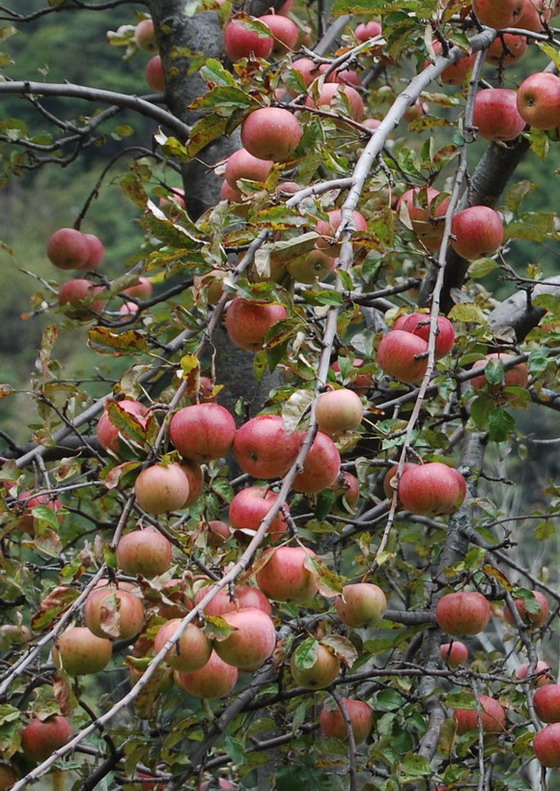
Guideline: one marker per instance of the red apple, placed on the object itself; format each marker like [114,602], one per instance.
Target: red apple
[271,133]
[388,488]
[538,100]
[327,230]
[108,434]
[284,31]
[202,432]
[547,746]
[113,613]
[195,477]
[496,114]
[426,211]
[492,716]
[320,468]
[239,42]
[498,13]
[463,613]
[27,501]
[41,738]
[264,448]
[333,722]
[215,680]
[96,252]
[432,489]
[145,37]
[403,355]
[146,552]
[308,69]
[338,410]
[249,507]
[81,652]
[218,532]
[142,290]
[68,249]
[546,701]
[245,596]
[252,642]
[223,785]
[360,605]
[331,91]
[248,322]
[243,165]
[454,654]
[284,577]
[366,30]
[477,232]
[506,49]
[534,16]
[155,76]
[517,376]
[419,324]
[161,488]
[321,674]
[341,76]
[191,652]
[80,294]
[541,672]
[532,618]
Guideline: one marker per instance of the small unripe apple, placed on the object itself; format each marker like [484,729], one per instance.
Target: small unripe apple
[360,605]
[202,432]
[320,468]
[68,249]
[463,613]
[547,746]
[492,716]
[155,76]
[264,448]
[191,652]
[532,618]
[546,701]
[248,322]
[80,652]
[239,42]
[146,552]
[333,723]
[338,410]
[284,577]
[161,488]
[454,654]
[41,738]
[214,680]
[432,489]
[403,355]
[321,674]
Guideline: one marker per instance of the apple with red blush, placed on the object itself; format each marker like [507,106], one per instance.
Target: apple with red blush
[155,75]
[546,701]
[419,324]
[361,605]
[115,613]
[514,376]
[146,552]
[426,211]
[161,488]
[477,232]
[540,673]
[327,230]
[320,468]
[283,575]
[191,652]
[108,434]
[250,506]
[367,30]
[284,31]
[333,722]
[41,737]
[492,717]
[432,489]
[216,679]
[145,37]
[538,100]
[252,641]
[337,411]
[527,617]
[68,248]
[403,355]
[264,448]
[80,652]
[340,94]
[507,48]
[202,432]
[271,133]
[454,654]
[248,322]
[498,13]
[463,613]
[80,295]
[318,675]
[547,746]
[240,42]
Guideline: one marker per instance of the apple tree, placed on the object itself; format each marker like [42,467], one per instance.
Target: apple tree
[279,483]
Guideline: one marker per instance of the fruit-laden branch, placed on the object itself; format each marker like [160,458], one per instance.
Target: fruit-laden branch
[141,106]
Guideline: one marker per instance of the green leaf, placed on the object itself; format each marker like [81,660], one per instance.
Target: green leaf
[500,425]
[217,628]
[550,52]
[482,267]
[214,72]
[549,302]
[545,529]
[204,132]
[305,655]
[389,699]
[459,700]
[415,765]
[538,361]
[133,427]
[467,311]
[540,143]
[45,514]
[494,371]
[223,100]
[481,408]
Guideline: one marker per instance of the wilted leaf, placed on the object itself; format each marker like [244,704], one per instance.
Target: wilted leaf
[106,341]
[341,647]
[329,583]
[217,628]
[53,605]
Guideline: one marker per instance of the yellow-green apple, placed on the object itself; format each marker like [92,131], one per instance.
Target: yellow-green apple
[264,448]
[320,468]
[215,680]
[202,432]
[463,613]
[192,650]
[338,410]
[146,552]
[320,674]
[161,488]
[311,267]
[333,722]
[285,577]
[360,605]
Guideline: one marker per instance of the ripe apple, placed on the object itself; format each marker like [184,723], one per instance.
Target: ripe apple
[145,37]
[215,680]
[245,596]
[463,613]
[146,552]
[506,48]
[432,489]
[308,69]
[178,603]
[320,468]
[248,322]
[264,448]
[271,133]
[113,613]
[192,650]
[80,652]
[250,506]
[202,432]
[518,375]
[388,488]
[155,76]
[15,634]
[341,76]
[25,504]
[541,672]
[68,249]
[546,701]
[477,232]
[457,73]
[284,31]
[195,477]
[496,114]
[218,532]
[223,785]
[161,488]
[41,738]
[454,654]
[321,674]
[498,13]
[128,309]
[366,30]
[547,746]
[240,42]
[141,290]
[338,410]
[360,605]
[538,100]
[327,230]
[492,716]
[284,577]
[403,355]
[96,252]
[426,211]
[243,165]
[333,723]
[252,642]
[534,15]
[108,433]
[80,294]
[419,324]
[532,618]
[333,90]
